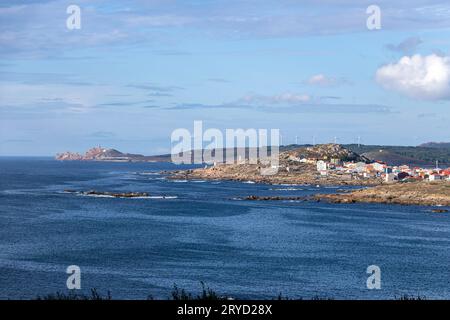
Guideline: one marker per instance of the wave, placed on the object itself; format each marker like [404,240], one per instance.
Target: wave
[286,189]
[163,197]
[147,173]
[15,192]
[115,197]
[292,184]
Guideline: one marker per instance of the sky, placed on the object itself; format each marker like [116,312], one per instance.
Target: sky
[137,70]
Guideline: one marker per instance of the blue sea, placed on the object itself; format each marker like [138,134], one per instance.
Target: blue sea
[186,232]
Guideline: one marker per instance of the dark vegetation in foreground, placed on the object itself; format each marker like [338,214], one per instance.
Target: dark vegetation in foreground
[177,294]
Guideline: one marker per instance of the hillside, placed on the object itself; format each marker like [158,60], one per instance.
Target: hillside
[397,155]
[439,145]
[326,152]
[393,158]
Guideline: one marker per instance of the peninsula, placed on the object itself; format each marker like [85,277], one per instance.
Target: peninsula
[333,164]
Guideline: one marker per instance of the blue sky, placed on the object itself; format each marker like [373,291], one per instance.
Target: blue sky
[137,70]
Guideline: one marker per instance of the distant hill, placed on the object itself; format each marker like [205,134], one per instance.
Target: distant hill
[326,152]
[445,145]
[397,155]
[393,158]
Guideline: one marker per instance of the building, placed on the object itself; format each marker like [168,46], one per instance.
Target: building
[434,177]
[404,168]
[321,166]
[390,177]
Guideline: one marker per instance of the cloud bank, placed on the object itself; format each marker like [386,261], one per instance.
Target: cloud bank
[418,77]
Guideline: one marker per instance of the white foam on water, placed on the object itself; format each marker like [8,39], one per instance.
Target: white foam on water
[163,197]
[140,197]
[286,189]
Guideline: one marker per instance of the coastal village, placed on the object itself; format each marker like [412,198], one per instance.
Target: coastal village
[334,160]
[378,169]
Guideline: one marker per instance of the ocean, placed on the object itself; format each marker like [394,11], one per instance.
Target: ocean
[187,232]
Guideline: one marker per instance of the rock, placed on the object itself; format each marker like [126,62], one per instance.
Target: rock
[273,198]
[439,210]
[111,194]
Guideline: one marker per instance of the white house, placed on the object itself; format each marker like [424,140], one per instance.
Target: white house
[390,177]
[434,177]
[321,165]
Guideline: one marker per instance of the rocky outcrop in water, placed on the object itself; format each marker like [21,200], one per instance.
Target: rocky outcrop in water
[110,194]
[275,198]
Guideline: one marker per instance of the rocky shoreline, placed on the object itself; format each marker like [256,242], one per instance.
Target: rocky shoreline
[413,193]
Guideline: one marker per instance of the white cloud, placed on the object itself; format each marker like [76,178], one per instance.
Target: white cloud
[321,80]
[419,77]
